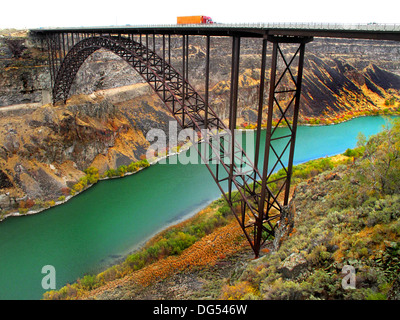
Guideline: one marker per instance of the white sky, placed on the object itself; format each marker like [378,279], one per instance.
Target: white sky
[75,13]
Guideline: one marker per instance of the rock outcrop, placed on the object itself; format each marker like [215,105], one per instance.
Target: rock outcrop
[45,150]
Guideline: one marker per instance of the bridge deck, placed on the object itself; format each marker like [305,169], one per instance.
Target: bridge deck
[333,30]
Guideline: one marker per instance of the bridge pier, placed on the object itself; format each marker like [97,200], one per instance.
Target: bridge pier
[267,202]
[256,206]
[266,211]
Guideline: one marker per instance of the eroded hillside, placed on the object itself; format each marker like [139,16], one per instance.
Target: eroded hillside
[44,149]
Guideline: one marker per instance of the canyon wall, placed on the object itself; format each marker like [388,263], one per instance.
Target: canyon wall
[44,148]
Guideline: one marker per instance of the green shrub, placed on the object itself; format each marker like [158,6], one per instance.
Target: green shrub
[92,175]
[137,261]
[23,210]
[110,173]
[390,102]
[225,210]
[133,167]
[285,290]
[84,181]
[356,152]
[89,282]
[122,170]
[91,171]
[143,163]
[78,187]
[179,242]
[376,296]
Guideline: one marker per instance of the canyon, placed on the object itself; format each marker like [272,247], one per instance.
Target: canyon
[44,148]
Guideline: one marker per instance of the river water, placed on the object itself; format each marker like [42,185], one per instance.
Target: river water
[109,220]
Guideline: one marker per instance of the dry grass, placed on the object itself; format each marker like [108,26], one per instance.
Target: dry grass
[206,252]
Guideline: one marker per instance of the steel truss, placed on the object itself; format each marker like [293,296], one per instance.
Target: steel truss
[256,207]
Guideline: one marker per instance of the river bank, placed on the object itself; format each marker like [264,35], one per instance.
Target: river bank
[386,107]
[107,221]
[355,227]
[152,162]
[390,111]
[219,239]
[112,174]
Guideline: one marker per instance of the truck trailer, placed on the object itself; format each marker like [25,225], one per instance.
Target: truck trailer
[194,20]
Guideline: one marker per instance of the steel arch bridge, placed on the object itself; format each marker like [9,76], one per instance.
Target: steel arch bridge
[168,83]
[257,209]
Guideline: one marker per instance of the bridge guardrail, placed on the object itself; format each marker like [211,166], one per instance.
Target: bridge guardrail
[285,25]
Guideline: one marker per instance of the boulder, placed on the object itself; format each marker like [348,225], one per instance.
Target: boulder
[293,265]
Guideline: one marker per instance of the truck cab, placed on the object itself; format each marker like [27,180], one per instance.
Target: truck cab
[206,20]
[194,20]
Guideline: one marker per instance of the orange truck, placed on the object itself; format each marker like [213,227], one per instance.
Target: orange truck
[194,20]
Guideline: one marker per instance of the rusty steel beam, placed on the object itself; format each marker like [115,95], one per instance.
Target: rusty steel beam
[256,208]
[233,106]
[261,89]
[295,120]
[207,85]
[294,87]
[259,221]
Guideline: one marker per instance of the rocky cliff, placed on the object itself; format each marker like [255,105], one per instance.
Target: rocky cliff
[44,148]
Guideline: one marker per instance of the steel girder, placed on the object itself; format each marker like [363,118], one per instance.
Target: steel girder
[255,206]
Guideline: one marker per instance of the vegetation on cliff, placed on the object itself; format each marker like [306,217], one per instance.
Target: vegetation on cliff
[347,212]
[346,216]
[92,174]
[385,107]
[44,151]
[162,249]
[214,222]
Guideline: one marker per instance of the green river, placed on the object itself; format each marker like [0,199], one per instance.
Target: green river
[103,224]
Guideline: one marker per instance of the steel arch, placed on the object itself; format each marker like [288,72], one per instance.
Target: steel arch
[178,95]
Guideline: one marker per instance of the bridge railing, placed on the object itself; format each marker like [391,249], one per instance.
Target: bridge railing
[285,25]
